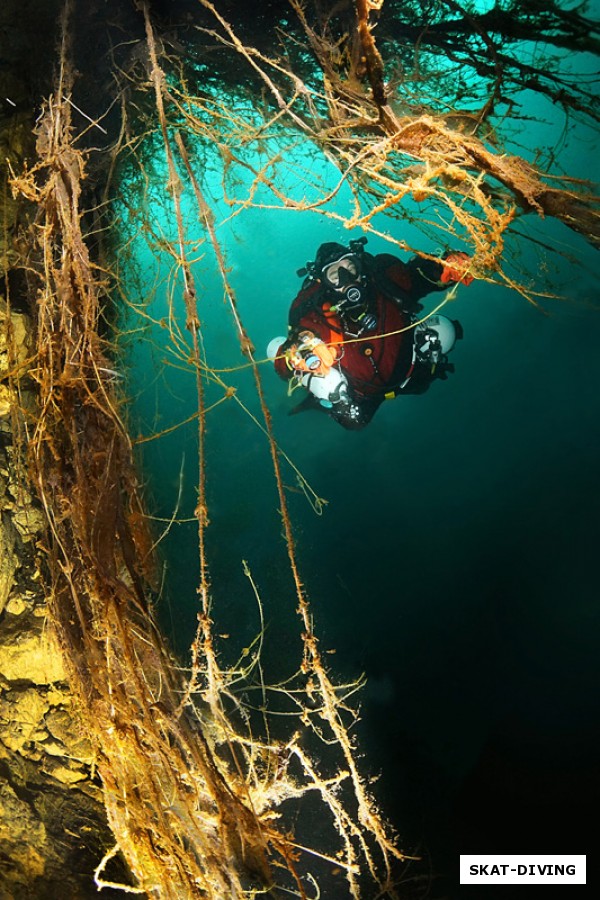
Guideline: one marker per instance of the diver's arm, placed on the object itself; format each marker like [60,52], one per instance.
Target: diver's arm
[331,390]
[335,397]
[406,283]
[419,277]
[427,275]
[308,359]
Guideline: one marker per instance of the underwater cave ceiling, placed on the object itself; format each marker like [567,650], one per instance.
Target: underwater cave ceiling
[166,745]
[470,70]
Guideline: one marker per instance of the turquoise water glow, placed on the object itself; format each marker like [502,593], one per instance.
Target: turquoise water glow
[455,560]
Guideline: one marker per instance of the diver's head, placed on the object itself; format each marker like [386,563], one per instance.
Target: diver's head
[341,271]
[338,267]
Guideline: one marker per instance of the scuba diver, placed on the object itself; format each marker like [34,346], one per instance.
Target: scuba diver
[355,337]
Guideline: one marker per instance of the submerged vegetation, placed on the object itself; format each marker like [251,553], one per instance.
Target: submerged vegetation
[419,108]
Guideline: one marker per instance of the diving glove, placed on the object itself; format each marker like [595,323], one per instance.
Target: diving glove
[456,268]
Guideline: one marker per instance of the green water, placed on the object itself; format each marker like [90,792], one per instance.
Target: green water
[455,561]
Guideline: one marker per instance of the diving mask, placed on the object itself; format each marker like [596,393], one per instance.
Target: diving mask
[342,272]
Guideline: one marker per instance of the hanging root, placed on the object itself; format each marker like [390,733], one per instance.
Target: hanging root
[192,797]
[177,816]
[359,829]
[200,795]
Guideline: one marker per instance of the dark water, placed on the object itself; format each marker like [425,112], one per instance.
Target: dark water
[456,562]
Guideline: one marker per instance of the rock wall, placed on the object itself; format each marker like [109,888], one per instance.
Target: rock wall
[53,830]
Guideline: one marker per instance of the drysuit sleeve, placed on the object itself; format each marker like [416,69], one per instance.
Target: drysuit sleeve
[408,283]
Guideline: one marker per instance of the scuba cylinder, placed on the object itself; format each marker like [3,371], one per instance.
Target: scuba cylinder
[434,338]
[330,389]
